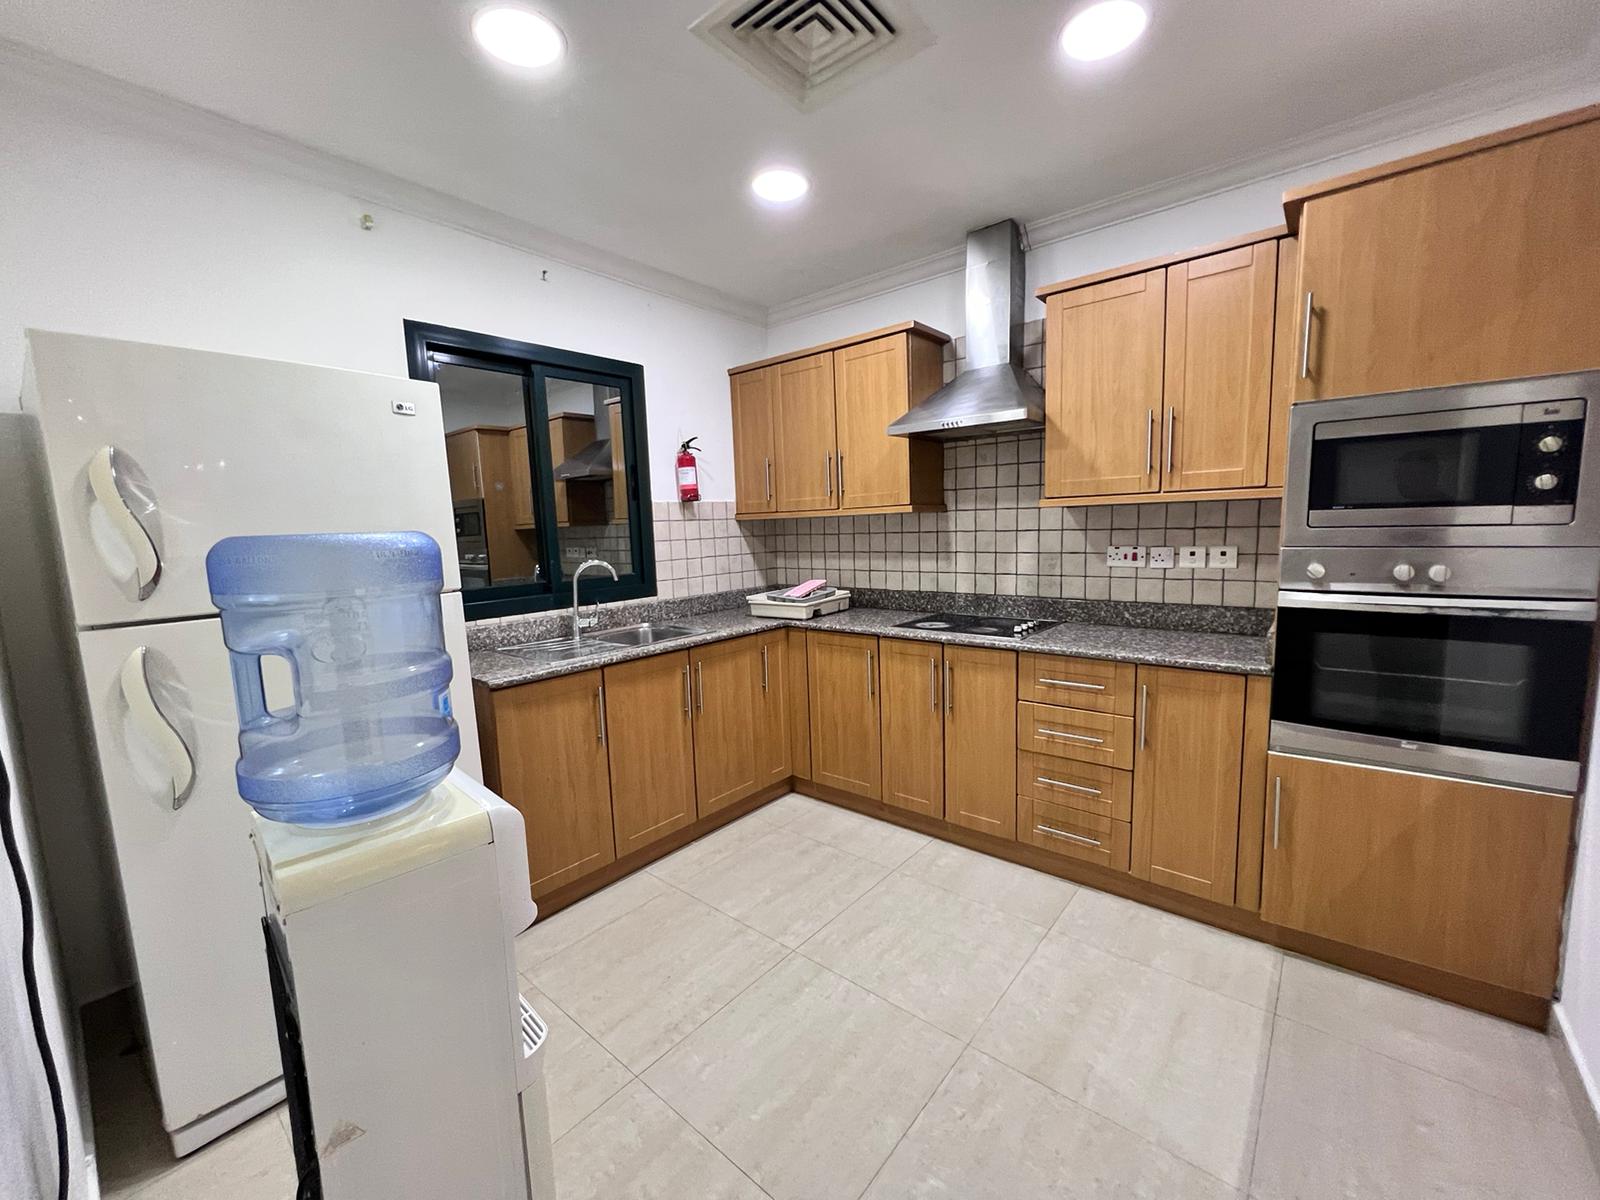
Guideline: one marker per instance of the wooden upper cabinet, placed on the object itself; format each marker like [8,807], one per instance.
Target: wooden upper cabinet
[774,743]
[980,760]
[805,444]
[650,733]
[846,750]
[550,747]
[1465,877]
[521,478]
[874,383]
[1219,369]
[912,678]
[728,722]
[461,460]
[1186,777]
[1103,387]
[1284,364]
[754,403]
[1471,263]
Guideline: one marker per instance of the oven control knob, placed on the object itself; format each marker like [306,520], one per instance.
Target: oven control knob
[1404,572]
[1551,443]
[1315,570]
[1546,482]
[1439,573]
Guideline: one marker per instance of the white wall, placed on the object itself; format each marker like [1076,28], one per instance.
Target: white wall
[105,230]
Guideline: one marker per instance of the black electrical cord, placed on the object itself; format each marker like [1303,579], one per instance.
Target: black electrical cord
[30,981]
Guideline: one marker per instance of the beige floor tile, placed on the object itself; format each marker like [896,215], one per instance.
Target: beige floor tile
[1031,895]
[551,935]
[1516,1064]
[934,953]
[254,1162]
[806,1081]
[681,865]
[639,984]
[579,1074]
[785,885]
[636,1148]
[990,1131]
[786,808]
[877,841]
[1224,962]
[1174,1062]
[1342,1121]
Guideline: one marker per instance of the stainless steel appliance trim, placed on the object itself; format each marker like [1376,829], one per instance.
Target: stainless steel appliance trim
[1427,758]
[1443,606]
[1419,422]
[1071,837]
[1406,518]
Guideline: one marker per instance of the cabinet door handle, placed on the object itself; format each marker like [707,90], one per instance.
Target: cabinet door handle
[949,688]
[1073,683]
[1277,808]
[600,714]
[687,699]
[1070,737]
[827,472]
[1144,711]
[763,668]
[768,477]
[841,477]
[1149,441]
[1062,833]
[872,676]
[933,686]
[155,728]
[700,684]
[1305,339]
[1172,422]
[1071,787]
[106,485]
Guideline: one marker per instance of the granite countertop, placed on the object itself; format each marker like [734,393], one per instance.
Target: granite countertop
[1245,654]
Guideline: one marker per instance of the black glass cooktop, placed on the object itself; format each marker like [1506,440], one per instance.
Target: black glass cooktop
[991,626]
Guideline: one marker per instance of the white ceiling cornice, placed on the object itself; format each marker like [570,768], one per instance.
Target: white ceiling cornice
[149,111]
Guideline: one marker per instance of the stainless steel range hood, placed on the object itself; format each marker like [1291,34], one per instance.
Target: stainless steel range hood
[994,394]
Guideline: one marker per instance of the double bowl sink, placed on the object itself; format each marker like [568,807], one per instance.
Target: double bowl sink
[563,649]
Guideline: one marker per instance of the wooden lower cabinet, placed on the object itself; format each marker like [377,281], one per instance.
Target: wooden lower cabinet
[1465,877]
[550,743]
[1186,778]
[1103,791]
[799,684]
[911,675]
[774,746]
[1072,833]
[980,762]
[729,712]
[1089,737]
[846,746]
[651,739]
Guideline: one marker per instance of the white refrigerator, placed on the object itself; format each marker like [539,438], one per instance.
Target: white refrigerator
[153,454]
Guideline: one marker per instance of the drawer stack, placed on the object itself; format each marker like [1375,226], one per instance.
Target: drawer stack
[1075,757]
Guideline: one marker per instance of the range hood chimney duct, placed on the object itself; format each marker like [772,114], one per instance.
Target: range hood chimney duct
[994,394]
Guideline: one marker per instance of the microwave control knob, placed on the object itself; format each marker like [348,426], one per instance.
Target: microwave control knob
[1315,570]
[1546,482]
[1439,573]
[1551,443]
[1404,572]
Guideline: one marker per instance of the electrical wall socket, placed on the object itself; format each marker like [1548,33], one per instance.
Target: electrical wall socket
[1162,558]
[1222,556]
[1124,556]
[1191,556]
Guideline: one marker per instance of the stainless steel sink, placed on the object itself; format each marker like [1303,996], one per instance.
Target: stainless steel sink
[557,649]
[646,634]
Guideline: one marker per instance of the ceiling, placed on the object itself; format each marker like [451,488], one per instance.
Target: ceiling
[642,142]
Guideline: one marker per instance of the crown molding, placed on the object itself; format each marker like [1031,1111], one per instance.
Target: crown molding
[1494,101]
[131,106]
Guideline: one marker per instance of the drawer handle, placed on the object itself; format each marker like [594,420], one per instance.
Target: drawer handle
[1073,683]
[1062,833]
[1071,787]
[1071,737]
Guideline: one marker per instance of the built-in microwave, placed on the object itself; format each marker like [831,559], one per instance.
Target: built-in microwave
[1509,463]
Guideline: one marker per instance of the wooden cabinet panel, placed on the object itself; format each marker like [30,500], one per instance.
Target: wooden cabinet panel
[1089,737]
[728,716]
[511,554]
[1465,877]
[1072,833]
[799,703]
[578,501]
[754,402]
[1103,791]
[1285,364]
[1253,791]
[650,731]
[461,460]
[1103,387]
[1186,780]
[846,746]
[870,387]
[1219,369]
[774,747]
[1483,266]
[520,473]
[980,765]
[550,743]
[804,440]
[911,676]
[1089,683]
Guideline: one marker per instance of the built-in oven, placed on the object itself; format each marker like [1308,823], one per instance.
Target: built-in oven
[472,544]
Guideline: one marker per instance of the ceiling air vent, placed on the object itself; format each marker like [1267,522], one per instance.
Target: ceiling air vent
[811,50]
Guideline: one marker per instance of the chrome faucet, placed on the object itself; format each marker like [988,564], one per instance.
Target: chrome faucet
[577,621]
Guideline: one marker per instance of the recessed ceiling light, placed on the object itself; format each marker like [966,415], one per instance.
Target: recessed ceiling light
[1104,29]
[780,185]
[518,36]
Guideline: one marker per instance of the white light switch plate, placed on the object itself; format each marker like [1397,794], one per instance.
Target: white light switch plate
[1222,556]
[1124,556]
[1162,558]
[1191,556]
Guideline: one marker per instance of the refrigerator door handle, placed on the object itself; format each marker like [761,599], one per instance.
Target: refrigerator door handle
[155,727]
[107,491]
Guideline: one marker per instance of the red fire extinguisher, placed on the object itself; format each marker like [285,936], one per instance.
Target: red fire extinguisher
[688,473]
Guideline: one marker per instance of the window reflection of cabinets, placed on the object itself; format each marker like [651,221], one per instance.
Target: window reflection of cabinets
[521,479]
[482,462]
[580,501]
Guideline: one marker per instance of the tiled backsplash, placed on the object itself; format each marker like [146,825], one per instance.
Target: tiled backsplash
[700,549]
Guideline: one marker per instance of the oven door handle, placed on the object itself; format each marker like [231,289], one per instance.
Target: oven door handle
[1442,606]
